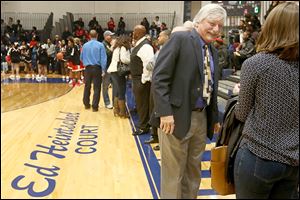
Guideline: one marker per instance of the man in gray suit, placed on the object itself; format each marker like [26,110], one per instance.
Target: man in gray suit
[185,84]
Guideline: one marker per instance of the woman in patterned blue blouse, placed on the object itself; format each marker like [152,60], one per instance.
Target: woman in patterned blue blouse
[267,162]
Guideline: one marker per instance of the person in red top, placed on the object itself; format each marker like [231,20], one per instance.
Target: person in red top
[33,42]
[79,32]
[111,25]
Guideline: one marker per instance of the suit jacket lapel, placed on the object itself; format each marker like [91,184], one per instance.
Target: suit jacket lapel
[198,51]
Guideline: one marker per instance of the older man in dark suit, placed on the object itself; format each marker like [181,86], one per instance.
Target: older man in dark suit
[185,84]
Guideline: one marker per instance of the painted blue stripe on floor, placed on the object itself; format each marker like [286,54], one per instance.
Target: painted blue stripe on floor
[206,156]
[146,170]
[206,192]
[205,174]
[29,80]
[152,160]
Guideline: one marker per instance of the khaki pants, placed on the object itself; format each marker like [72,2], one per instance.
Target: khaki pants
[181,160]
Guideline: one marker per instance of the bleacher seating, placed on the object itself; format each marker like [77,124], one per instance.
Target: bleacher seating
[225,91]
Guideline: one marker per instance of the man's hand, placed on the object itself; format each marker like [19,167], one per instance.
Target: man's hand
[103,74]
[236,53]
[236,89]
[167,124]
[217,127]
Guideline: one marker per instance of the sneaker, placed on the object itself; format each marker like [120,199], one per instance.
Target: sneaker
[27,76]
[45,78]
[63,78]
[12,77]
[79,82]
[109,106]
[82,77]
[38,79]
[17,77]
[70,82]
[32,76]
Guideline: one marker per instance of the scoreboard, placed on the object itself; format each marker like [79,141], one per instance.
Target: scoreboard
[240,8]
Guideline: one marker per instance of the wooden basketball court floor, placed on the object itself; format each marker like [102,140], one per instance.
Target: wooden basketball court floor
[51,147]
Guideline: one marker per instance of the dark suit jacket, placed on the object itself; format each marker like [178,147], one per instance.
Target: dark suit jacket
[177,82]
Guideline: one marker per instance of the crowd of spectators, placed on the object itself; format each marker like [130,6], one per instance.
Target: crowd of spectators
[23,48]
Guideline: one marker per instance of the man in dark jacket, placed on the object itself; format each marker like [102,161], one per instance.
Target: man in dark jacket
[185,84]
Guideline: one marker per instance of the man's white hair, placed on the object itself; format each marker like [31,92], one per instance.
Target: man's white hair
[210,11]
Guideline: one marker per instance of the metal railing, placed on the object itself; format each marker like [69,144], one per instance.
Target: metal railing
[131,19]
[28,20]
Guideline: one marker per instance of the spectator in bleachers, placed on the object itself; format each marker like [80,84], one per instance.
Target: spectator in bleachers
[23,36]
[100,32]
[56,40]
[9,25]
[163,26]
[17,28]
[79,22]
[33,42]
[267,161]
[244,50]
[93,23]
[121,27]
[111,25]
[66,34]
[153,30]
[51,55]
[146,24]
[254,33]
[247,17]
[272,6]
[158,24]
[223,55]
[34,33]
[79,32]
[3,27]
[242,29]
[256,23]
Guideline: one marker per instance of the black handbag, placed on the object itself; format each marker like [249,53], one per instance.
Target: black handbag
[122,68]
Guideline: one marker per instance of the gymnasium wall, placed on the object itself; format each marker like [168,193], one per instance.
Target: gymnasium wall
[59,8]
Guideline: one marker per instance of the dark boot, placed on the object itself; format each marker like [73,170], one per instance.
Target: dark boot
[116,107]
[122,113]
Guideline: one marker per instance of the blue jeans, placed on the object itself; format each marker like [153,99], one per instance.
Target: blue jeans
[105,83]
[255,177]
[119,85]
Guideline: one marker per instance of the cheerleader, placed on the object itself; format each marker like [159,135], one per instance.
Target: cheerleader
[78,42]
[26,58]
[73,62]
[42,58]
[15,56]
